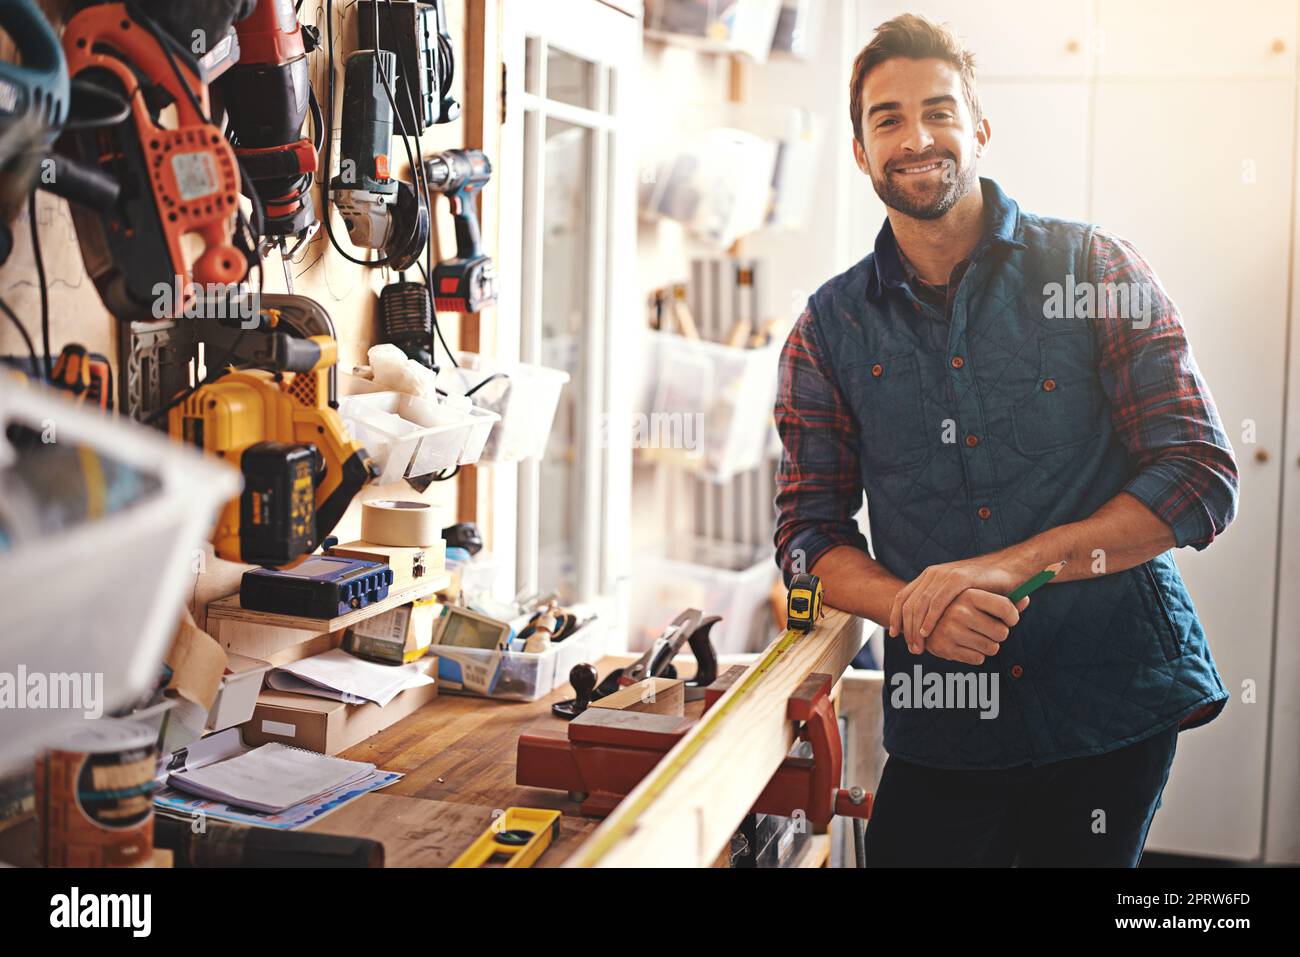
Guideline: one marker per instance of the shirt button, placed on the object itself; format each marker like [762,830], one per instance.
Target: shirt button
[878,370]
[972,441]
[1017,671]
[1049,385]
[958,362]
[985,512]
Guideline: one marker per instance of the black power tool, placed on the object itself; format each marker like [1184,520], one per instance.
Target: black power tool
[267,97]
[381,212]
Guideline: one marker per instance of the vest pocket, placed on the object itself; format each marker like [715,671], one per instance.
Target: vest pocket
[886,398]
[1162,621]
[1065,404]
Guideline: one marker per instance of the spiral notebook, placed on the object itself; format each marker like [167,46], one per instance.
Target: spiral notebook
[270,778]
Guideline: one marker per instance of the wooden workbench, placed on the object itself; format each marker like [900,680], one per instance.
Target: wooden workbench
[458,757]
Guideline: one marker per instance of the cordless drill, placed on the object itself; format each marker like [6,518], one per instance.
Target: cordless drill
[468,282]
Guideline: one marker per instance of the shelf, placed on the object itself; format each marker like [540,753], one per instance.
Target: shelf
[229,609]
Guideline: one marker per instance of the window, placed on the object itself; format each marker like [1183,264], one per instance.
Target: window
[568,209]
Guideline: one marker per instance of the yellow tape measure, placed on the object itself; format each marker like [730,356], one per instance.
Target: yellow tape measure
[521,835]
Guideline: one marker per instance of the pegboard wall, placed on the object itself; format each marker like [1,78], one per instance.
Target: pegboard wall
[347,291]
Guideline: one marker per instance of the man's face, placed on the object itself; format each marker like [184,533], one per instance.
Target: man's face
[921,143]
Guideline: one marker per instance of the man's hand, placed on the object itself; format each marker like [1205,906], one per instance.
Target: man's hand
[973,627]
[920,604]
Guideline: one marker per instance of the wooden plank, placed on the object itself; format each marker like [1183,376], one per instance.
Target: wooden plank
[651,696]
[683,814]
[230,609]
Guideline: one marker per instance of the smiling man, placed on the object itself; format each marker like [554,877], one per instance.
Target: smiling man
[996,429]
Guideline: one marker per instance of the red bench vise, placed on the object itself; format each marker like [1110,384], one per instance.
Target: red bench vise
[607,752]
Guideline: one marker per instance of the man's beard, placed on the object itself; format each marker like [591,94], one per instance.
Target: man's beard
[950,189]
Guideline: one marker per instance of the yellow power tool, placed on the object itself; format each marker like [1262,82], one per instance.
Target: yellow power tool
[300,466]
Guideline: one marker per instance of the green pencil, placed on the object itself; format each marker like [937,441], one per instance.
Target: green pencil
[1024,589]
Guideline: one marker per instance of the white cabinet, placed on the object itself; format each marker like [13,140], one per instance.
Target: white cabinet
[1039,148]
[1209,222]
[1196,38]
[1009,37]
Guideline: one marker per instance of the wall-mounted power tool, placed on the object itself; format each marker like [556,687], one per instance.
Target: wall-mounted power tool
[267,97]
[468,282]
[381,212]
[416,33]
[171,180]
[301,469]
[33,106]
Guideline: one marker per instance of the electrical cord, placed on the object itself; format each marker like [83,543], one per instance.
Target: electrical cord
[27,339]
[422,177]
[45,292]
[326,159]
[83,88]
[213,374]
[437,328]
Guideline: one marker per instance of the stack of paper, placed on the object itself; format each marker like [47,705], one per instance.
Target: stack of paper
[344,677]
[270,778]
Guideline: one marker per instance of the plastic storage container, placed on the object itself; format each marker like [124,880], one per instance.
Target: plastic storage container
[102,597]
[410,436]
[526,397]
[525,677]
[710,405]
[719,578]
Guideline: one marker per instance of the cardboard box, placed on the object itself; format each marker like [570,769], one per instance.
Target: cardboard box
[325,725]
[409,565]
[398,636]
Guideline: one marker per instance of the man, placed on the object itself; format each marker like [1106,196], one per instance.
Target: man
[1010,391]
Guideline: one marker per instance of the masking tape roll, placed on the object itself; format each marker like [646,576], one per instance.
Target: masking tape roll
[407,524]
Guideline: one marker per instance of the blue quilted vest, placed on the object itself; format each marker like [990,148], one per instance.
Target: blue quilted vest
[1094,664]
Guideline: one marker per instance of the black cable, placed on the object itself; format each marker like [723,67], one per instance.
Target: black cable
[45,292]
[326,160]
[495,375]
[437,328]
[213,374]
[27,339]
[84,88]
[422,182]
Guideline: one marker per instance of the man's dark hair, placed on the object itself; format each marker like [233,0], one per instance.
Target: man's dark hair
[916,38]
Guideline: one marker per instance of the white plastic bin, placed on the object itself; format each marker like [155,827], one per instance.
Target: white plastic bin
[525,677]
[406,435]
[526,402]
[103,597]
[710,405]
[719,578]
[480,431]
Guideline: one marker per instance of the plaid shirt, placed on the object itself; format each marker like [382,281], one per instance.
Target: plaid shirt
[1182,466]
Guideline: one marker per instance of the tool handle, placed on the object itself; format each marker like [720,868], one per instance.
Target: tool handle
[83,184]
[468,237]
[41,83]
[706,660]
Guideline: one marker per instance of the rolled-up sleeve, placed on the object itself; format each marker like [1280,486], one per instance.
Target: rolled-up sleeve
[1183,465]
[819,488]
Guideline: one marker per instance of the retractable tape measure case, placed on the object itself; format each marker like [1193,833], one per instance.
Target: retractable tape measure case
[324,586]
